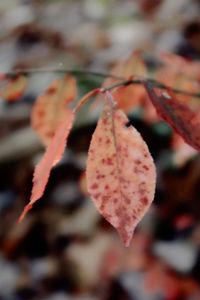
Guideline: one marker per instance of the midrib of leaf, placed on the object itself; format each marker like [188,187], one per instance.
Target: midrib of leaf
[112,110]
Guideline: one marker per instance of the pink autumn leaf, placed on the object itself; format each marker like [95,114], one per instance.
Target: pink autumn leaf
[52,107]
[120,172]
[52,156]
[183,117]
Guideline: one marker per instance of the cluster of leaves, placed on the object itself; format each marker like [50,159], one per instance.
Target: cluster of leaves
[120,171]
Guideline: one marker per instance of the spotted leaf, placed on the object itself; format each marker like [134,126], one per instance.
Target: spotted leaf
[120,172]
[52,107]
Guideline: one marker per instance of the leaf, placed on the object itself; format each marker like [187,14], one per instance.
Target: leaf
[179,81]
[128,97]
[13,88]
[150,115]
[179,73]
[183,117]
[173,61]
[182,151]
[52,155]
[120,172]
[180,65]
[51,108]
[86,97]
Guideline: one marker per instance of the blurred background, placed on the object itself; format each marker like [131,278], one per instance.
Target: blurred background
[64,249]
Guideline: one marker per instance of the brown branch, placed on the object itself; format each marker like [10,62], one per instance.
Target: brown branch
[153,82]
[122,81]
[61,71]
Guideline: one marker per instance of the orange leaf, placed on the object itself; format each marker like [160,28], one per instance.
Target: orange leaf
[52,155]
[178,81]
[179,73]
[13,88]
[180,65]
[173,61]
[51,108]
[128,97]
[133,65]
[120,172]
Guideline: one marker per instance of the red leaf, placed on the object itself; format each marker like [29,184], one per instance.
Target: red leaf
[183,117]
[52,155]
[51,108]
[120,172]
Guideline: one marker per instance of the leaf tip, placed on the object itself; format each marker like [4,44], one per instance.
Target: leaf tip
[24,212]
[125,236]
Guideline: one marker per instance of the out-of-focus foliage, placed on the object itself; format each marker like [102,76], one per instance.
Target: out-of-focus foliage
[63,249]
[51,108]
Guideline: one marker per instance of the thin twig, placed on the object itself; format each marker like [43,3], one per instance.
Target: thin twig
[123,81]
[62,71]
[154,83]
